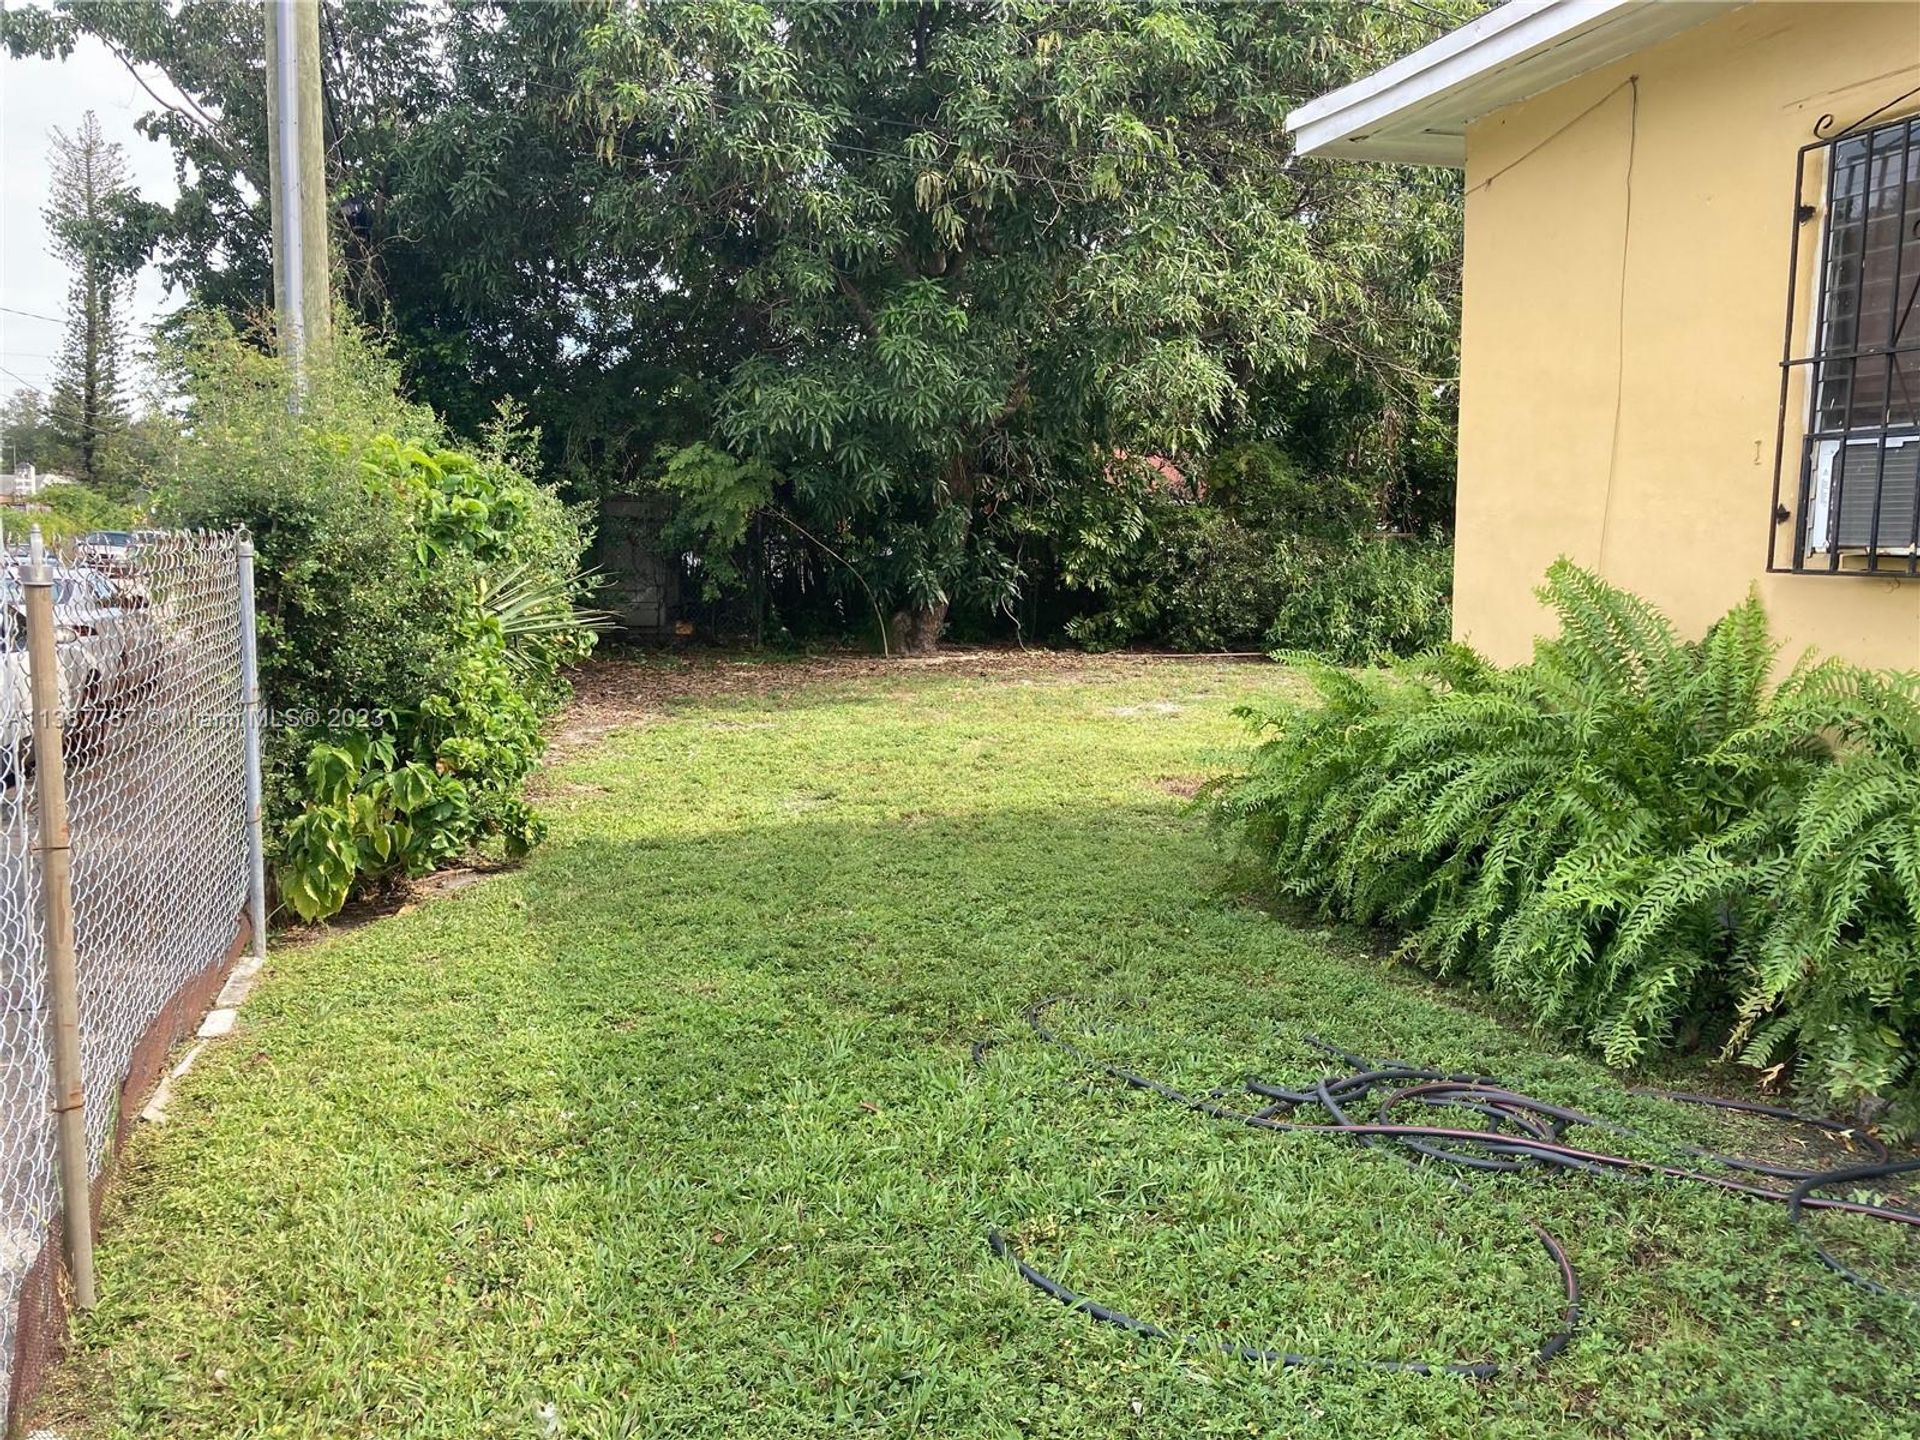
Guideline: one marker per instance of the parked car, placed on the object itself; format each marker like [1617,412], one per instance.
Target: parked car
[77,679]
[108,644]
[110,549]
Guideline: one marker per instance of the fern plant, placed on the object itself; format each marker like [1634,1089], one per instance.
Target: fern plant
[1835,971]
[1632,835]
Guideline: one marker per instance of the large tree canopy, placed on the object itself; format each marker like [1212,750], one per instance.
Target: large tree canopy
[961,242]
[895,266]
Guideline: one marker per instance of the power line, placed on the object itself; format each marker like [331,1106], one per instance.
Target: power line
[72,422]
[33,315]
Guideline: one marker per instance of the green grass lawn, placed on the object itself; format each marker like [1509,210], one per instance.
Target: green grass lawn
[673,1132]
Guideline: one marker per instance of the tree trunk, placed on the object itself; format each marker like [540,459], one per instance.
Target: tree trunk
[917,632]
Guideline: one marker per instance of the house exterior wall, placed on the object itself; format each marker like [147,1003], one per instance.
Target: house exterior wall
[1625,300]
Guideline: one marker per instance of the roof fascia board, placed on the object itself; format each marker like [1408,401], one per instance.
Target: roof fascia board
[1498,59]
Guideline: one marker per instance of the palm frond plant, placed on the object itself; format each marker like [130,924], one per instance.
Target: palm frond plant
[537,613]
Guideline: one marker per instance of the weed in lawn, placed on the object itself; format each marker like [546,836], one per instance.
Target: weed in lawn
[674,1131]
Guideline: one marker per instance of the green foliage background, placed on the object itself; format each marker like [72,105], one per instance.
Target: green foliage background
[71,510]
[912,265]
[1250,553]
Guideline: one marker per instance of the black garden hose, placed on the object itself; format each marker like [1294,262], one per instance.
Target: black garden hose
[1541,1140]
[1472,1370]
[1515,1106]
[1858,1175]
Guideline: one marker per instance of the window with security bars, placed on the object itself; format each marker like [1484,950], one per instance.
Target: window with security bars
[1859,482]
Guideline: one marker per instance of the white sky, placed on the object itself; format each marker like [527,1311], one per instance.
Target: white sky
[36,96]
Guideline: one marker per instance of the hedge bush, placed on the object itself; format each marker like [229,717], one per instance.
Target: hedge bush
[1366,600]
[416,606]
[1207,581]
[1632,835]
[69,509]
[1263,557]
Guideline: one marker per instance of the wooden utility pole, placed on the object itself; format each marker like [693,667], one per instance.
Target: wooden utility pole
[296,173]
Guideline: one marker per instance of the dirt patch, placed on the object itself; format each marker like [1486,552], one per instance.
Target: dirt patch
[396,896]
[1185,786]
[1778,1142]
[445,882]
[613,693]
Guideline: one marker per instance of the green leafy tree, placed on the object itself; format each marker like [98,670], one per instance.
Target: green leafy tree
[966,238]
[916,262]
[26,432]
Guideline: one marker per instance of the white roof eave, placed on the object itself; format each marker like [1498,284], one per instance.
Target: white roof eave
[1416,111]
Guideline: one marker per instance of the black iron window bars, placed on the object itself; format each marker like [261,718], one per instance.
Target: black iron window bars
[1854,508]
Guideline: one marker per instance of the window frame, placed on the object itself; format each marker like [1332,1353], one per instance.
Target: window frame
[1817,494]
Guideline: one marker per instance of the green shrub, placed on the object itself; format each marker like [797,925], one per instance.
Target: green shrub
[1197,578]
[415,603]
[72,509]
[1193,579]
[1366,599]
[1263,556]
[1631,835]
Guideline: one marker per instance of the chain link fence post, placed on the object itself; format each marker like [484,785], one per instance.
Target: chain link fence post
[250,719]
[53,843]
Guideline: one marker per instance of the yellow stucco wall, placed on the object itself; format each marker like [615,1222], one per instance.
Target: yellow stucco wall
[1622,334]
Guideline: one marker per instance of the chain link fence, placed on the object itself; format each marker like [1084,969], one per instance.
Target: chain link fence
[152,639]
[29,1201]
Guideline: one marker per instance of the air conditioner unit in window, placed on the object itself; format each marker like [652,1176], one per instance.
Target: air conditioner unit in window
[1875,497]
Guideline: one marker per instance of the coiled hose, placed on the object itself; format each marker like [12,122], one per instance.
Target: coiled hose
[1519,1131]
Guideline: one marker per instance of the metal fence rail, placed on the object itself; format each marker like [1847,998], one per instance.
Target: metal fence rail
[149,747]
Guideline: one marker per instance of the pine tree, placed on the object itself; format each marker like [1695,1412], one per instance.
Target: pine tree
[91,196]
